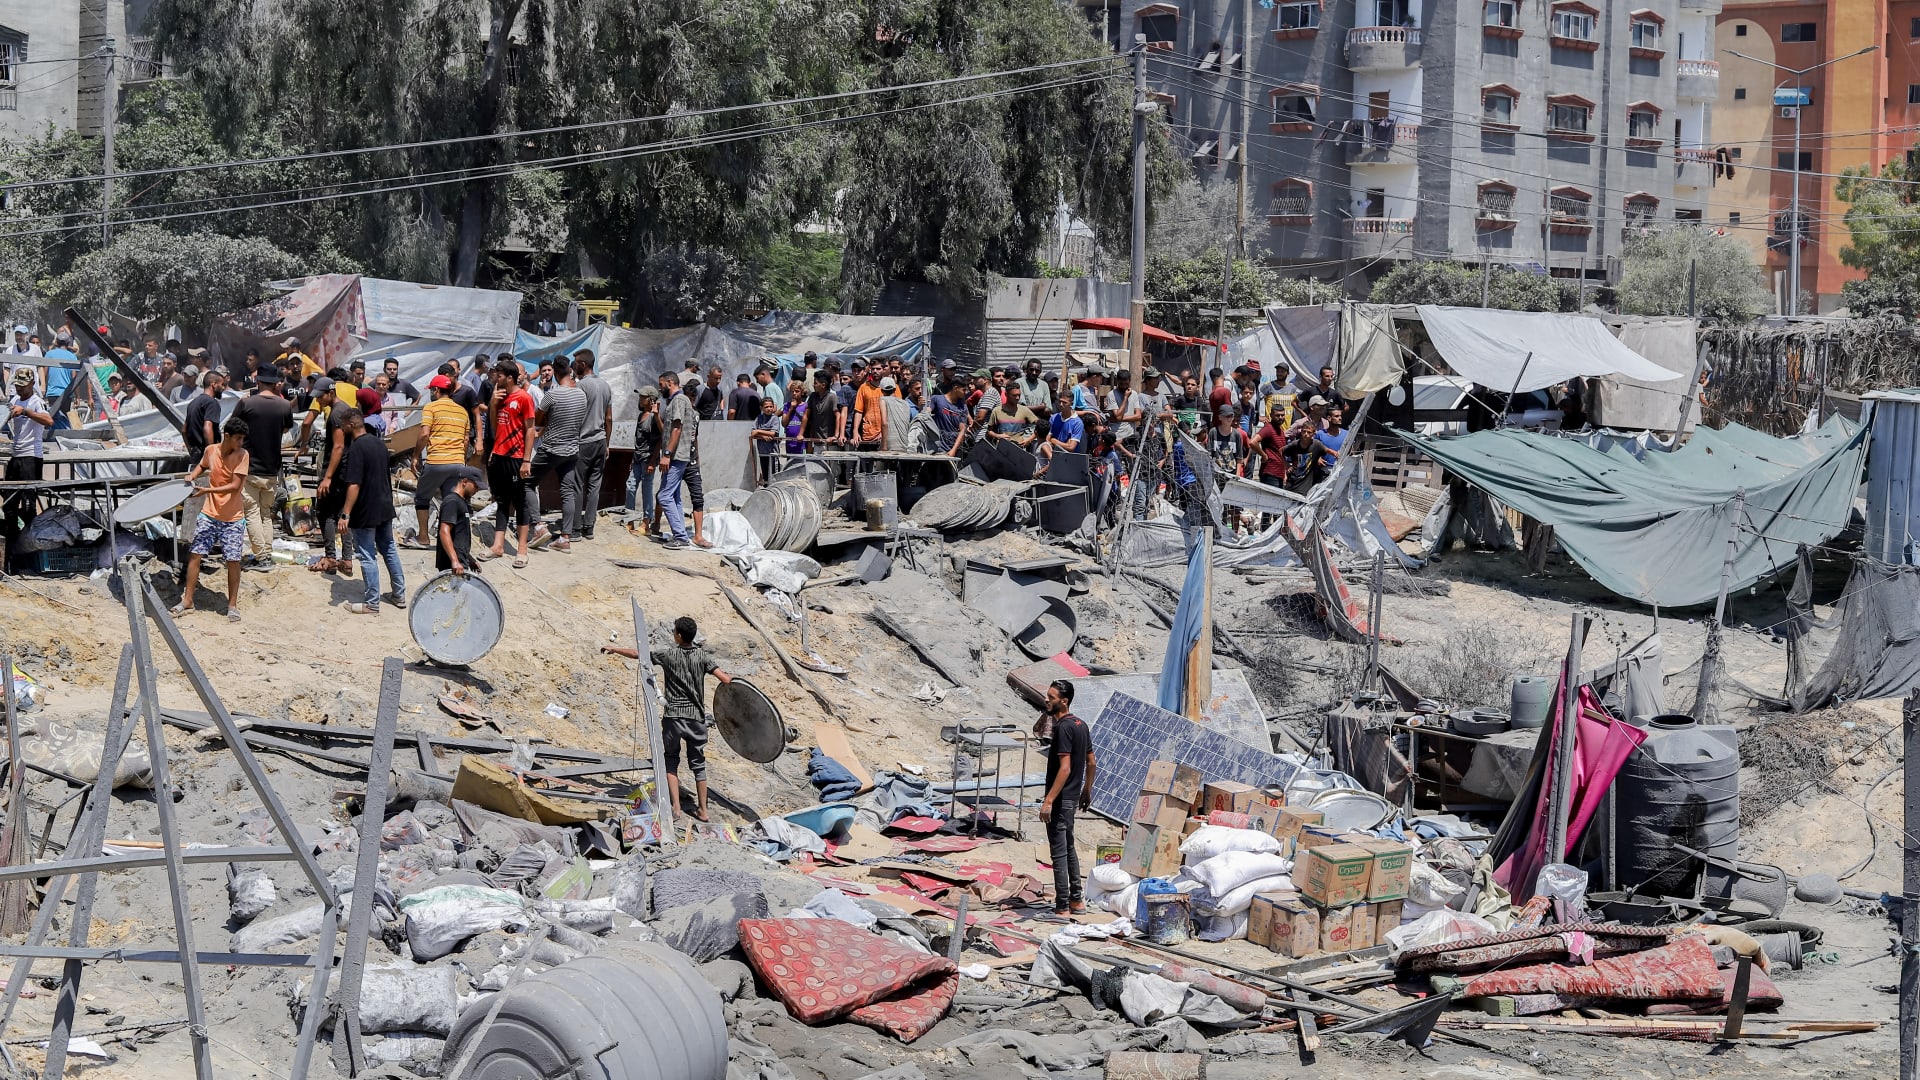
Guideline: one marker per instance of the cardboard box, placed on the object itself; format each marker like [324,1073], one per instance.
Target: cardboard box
[1183,782]
[1360,928]
[1156,809]
[1314,836]
[1336,929]
[1228,795]
[1260,917]
[1333,875]
[1229,819]
[1192,824]
[1392,869]
[1263,817]
[1386,919]
[1294,929]
[1290,821]
[1108,853]
[1151,851]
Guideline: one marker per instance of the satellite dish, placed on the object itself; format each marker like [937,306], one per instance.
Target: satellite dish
[749,721]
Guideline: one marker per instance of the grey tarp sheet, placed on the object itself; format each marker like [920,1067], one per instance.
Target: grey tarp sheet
[1656,530]
[1305,336]
[1621,402]
[1532,350]
[1876,653]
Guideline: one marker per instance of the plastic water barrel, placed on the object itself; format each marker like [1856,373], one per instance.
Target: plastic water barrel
[643,1015]
[1532,700]
[1682,786]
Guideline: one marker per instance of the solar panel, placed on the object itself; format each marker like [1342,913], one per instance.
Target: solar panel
[1233,711]
[1131,734]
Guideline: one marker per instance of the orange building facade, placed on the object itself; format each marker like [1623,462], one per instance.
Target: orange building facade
[1861,112]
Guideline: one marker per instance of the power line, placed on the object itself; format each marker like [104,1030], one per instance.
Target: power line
[513,168]
[598,125]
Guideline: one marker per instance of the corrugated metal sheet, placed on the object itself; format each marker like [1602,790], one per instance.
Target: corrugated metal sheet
[1893,459]
[1015,341]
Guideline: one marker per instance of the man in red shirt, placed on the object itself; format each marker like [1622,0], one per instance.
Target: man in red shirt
[1270,444]
[510,466]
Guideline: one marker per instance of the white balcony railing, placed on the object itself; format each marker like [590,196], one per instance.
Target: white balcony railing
[1706,69]
[1383,35]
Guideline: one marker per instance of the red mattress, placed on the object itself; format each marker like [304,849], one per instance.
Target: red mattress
[824,969]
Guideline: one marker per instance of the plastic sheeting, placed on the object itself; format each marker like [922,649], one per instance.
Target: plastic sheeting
[1531,350]
[1370,358]
[1622,402]
[1877,651]
[1656,530]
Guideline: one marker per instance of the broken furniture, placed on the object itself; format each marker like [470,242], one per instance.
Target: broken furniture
[973,739]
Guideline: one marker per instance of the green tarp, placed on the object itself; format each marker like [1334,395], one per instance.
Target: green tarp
[1656,529]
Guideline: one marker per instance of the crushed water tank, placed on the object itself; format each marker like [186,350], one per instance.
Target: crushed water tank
[1681,787]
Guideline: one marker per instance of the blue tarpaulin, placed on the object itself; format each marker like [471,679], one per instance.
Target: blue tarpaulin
[1184,634]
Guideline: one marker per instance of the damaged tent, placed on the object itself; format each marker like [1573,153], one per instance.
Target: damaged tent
[1657,529]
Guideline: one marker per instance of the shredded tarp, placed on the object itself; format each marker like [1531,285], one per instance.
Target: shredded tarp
[1622,402]
[1305,336]
[1876,653]
[324,312]
[1370,358]
[1531,350]
[1657,529]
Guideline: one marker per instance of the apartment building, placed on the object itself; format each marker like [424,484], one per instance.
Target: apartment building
[1859,112]
[53,65]
[1533,133]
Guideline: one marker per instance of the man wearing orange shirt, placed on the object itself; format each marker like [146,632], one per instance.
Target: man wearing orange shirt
[868,415]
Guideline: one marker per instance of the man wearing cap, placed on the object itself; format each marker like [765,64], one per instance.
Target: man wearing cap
[1314,420]
[949,376]
[768,389]
[28,422]
[21,345]
[291,353]
[268,416]
[446,431]
[455,550]
[331,493]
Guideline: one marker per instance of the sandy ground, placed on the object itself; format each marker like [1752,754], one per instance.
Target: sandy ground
[299,654]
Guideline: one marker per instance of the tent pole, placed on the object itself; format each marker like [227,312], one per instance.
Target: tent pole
[1710,656]
[1522,374]
[1560,786]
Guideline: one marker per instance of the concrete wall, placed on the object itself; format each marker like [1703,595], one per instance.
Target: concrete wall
[63,84]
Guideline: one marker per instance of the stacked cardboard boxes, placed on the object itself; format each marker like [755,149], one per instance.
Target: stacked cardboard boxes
[1160,818]
[1350,893]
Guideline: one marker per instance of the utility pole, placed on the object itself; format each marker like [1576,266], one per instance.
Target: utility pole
[1793,203]
[1486,276]
[1246,122]
[1137,314]
[1910,888]
[109,112]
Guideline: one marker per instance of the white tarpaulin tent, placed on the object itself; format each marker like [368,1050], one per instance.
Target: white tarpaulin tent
[424,326]
[1532,350]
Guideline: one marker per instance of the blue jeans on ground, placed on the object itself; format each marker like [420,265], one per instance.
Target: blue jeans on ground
[640,482]
[373,545]
[673,498]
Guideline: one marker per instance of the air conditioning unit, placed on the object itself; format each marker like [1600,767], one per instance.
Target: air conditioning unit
[1789,112]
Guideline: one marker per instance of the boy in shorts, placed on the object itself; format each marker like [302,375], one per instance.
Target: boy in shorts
[222,519]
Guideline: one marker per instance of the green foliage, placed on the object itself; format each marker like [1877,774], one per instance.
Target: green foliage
[1192,219]
[1655,265]
[1883,218]
[149,272]
[1426,282]
[1178,288]
[1298,292]
[802,273]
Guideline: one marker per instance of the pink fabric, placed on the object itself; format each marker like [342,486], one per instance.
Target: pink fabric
[1601,746]
[822,969]
[1682,971]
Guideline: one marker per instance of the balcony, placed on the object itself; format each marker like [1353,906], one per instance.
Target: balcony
[1697,80]
[1377,148]
[1383,48]
[1692,167]
[1566,214]
[1290,210]
[1495,210]
[1703,7]
[1377,237]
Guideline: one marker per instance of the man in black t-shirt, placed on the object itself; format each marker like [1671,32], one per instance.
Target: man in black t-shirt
[743,401]
[1070,766]
[369,514]
[269,417]
[822,424]
[454,551]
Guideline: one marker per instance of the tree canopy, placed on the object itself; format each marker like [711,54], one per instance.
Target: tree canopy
[1180,288]
[1656,264]
[1883,220]
[1428,282]
[684,141]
